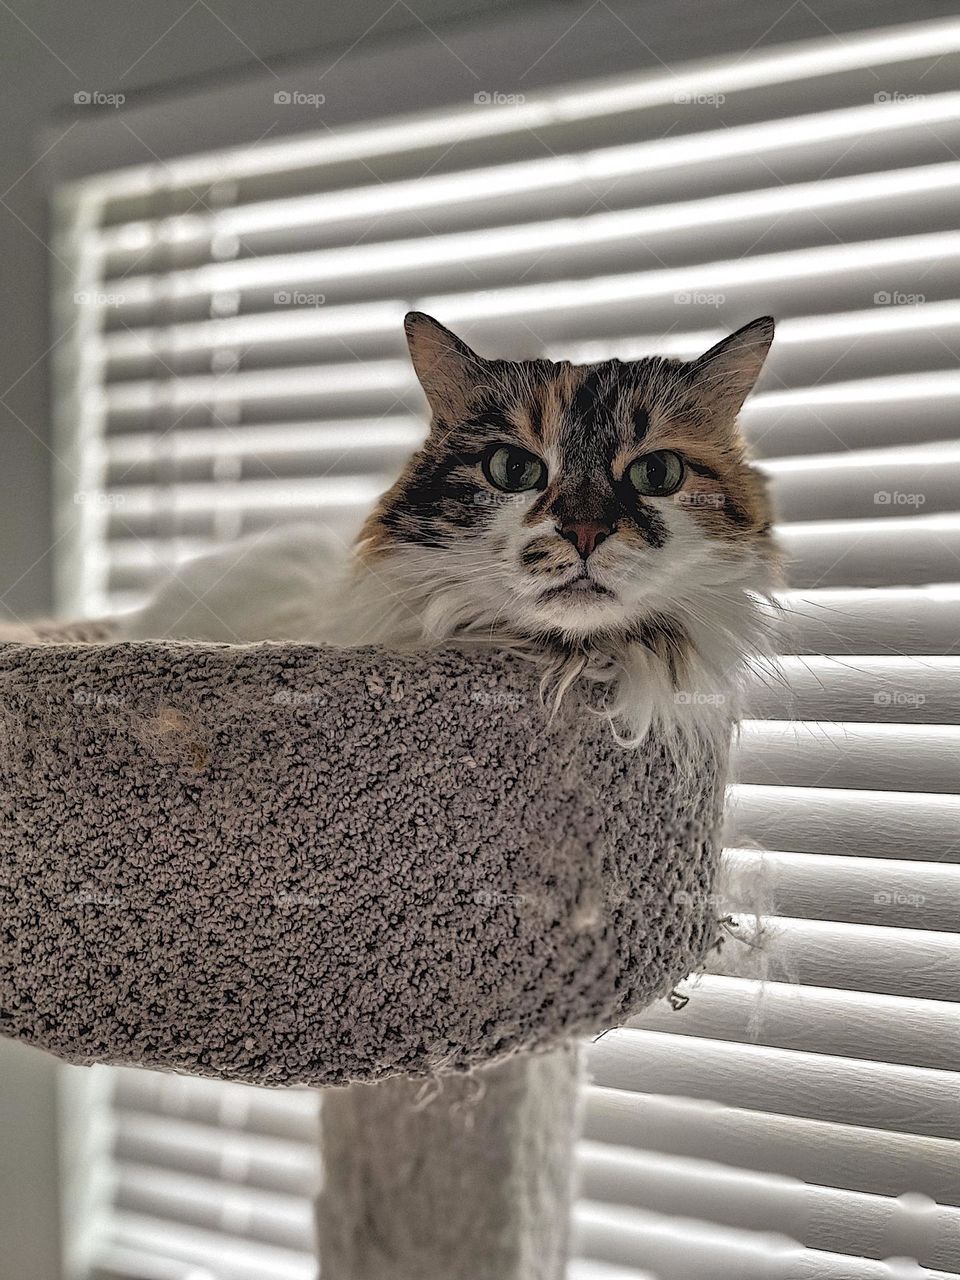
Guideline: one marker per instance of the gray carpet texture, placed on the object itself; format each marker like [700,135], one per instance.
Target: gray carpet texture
[287,864]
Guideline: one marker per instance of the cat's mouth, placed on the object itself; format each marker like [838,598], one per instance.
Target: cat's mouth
[582,588]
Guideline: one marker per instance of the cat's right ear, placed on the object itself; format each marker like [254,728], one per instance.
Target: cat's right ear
[448,370]
[726,374]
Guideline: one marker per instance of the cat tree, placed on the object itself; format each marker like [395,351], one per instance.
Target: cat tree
[293,865]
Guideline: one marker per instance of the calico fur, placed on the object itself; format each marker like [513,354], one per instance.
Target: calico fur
[682,606]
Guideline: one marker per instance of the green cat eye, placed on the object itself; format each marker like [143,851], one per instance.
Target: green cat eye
[657,475]
[513,469]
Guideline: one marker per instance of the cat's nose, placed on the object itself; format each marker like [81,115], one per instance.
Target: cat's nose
[586,535]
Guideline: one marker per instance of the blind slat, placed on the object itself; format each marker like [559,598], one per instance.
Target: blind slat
[816,1151]
[867,485]
[874,891]
[548,177]
[230,1257]
[785,1081]
[251,1213]
[885,1028]
[270,442]
[900,620]
[925,192]
[869,343]
[853,957]
[858,553]
[870,823]
[861,687]
[685,1249]
[281,1113]
[821,1218]
[171,1143]
[883,757]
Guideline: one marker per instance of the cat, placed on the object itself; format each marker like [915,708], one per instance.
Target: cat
[603,520]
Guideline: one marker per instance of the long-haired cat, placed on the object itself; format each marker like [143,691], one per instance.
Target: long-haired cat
[602,519]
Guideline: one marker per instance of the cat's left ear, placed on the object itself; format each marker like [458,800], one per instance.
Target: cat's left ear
[726,374]
[448,370]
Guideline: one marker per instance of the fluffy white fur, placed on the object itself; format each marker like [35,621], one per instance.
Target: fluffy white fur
[301,584]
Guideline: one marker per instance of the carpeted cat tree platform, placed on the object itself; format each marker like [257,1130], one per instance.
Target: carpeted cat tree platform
[294,865]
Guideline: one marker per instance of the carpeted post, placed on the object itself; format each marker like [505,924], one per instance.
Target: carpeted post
[465,1178]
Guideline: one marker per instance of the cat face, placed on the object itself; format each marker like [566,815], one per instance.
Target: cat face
[577,502]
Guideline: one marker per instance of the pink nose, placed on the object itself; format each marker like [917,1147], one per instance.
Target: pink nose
[586,535]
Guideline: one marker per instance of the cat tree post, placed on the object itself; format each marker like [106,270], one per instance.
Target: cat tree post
[471,1182]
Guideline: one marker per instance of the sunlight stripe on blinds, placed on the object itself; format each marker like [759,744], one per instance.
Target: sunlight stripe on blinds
[924,189]
[803,338]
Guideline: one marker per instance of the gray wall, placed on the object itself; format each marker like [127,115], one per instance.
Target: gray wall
[29,1227]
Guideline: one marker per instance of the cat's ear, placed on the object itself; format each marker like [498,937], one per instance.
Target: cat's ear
[448,370]
[726,374]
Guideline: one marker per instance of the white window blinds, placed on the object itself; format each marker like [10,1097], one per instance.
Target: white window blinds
[172,1178]
[231,357]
